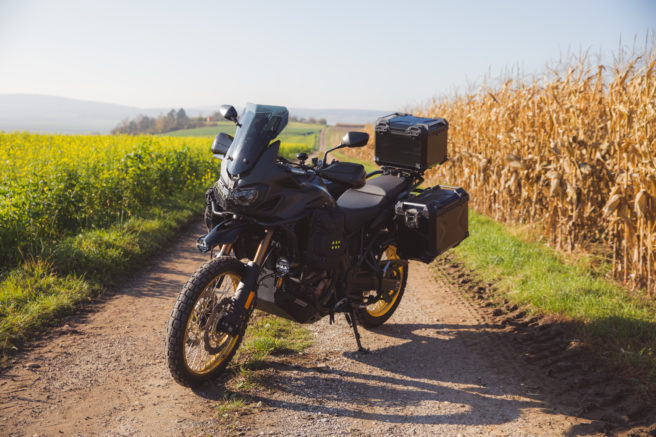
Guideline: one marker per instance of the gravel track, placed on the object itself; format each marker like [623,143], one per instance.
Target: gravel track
[442,365]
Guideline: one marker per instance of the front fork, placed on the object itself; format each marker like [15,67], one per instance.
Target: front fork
[244,298]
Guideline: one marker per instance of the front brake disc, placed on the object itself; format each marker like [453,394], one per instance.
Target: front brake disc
[212,336]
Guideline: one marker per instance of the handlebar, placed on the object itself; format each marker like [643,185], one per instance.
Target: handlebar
[295,165]
[374,173]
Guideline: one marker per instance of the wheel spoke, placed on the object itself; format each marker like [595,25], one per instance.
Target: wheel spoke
[193,360]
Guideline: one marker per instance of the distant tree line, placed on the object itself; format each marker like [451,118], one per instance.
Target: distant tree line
[176,120]
[311,120]
[173,120]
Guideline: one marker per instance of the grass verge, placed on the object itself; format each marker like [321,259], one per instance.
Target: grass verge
[35,294]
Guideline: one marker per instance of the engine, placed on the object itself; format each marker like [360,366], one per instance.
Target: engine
[312,286]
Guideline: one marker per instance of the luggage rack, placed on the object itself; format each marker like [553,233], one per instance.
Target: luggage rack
[411,174]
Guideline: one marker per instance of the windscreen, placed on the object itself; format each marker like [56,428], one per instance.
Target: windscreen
[259,125]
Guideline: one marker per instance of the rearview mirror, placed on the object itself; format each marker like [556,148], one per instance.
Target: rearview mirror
[228,112]
[221,144]
[351,139]
[355,139]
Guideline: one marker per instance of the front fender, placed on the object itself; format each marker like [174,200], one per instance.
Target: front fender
[225,232]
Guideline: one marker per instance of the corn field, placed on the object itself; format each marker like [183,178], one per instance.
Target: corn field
[574,153]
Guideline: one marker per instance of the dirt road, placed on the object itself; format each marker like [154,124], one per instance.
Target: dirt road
[438,367]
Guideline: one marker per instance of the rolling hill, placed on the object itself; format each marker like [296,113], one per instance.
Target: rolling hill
[50,114]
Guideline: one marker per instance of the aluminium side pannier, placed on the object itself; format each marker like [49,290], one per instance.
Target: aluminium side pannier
[432,222]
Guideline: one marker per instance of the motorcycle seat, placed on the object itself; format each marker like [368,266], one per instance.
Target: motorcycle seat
[362,205]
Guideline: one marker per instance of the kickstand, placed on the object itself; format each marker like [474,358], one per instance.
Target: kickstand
[350,319]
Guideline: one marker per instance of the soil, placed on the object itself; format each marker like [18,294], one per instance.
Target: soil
[449,362]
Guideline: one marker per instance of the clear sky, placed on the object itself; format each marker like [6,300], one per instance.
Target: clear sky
[333,54]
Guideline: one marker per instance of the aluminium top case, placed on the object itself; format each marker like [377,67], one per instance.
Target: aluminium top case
[406,141]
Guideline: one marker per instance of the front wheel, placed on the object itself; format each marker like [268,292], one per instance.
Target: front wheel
[196,351]
[379,312]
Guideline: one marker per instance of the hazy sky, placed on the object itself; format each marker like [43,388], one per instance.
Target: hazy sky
[337,54]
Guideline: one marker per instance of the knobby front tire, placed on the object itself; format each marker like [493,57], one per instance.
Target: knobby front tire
[195,351]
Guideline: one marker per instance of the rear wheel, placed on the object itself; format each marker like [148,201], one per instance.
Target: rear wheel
[379,312]
[195,349]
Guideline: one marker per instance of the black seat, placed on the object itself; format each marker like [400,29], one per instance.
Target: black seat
[362,205]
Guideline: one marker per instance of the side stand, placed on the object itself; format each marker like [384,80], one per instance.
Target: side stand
[350,319]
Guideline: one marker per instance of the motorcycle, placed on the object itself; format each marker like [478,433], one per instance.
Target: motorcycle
[299,240]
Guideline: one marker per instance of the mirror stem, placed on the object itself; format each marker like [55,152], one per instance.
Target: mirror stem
[325,155]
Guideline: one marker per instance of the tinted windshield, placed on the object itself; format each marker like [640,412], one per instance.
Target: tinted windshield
[259,125]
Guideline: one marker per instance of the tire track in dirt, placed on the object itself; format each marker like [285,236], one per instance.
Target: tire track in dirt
[572,378]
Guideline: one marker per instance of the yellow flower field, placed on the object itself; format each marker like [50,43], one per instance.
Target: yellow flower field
[56,185]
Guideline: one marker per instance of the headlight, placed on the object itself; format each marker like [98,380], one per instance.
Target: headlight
[247,196]
[244,197]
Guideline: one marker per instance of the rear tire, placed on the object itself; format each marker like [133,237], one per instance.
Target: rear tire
[378,313]
[195,351]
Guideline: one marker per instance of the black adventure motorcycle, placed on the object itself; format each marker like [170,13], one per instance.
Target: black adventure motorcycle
[304,241]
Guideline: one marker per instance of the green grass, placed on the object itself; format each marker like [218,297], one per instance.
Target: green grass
[305,140]
[234,404]
[266,336]
[38,292]
[293,129]
[295,138]
[532,273]
[34,294]
[272,336]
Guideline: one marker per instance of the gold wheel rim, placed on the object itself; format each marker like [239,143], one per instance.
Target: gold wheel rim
[197,359]
[380,308]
